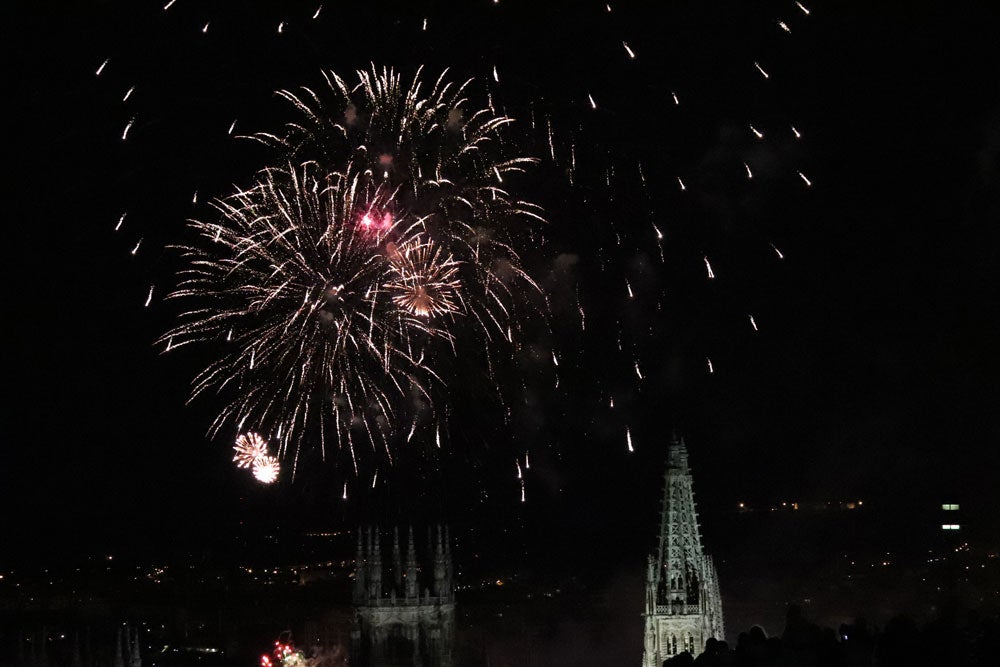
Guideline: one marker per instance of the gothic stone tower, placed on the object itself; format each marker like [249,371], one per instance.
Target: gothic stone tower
[683,606]
[405,609]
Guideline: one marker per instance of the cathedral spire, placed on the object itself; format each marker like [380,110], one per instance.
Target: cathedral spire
[397,561]
[135,655]
[679,539]
[683,607]
[360,580]
[375,566]
[677,455]
[440,569]
[449,583]
[412,589]
[118,661]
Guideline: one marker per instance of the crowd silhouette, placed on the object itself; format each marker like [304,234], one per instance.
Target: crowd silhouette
[951,640]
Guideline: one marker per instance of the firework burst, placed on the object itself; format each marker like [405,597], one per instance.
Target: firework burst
[266,469]
[249,448]
[334,284]
[425,284]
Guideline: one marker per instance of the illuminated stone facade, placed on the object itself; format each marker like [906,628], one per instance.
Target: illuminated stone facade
[405,609]
[683,605]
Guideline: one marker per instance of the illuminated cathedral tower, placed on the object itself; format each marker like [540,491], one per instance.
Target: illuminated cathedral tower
[683,606]
[404,606]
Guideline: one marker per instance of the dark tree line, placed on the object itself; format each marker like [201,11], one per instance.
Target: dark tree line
[951,640]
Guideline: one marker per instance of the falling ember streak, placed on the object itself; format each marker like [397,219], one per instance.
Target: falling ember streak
[784,26]
[611,403]
[552,144]
[629,288]
[121,221]
[437,437]
[659,234]
[425,25]
[204,28]
[318,10]
[281,27]
[681,183]
[608,7]
[136,248]
[555,360]
[777,252]
[194,197]
[711,369]
[677,102]
[520,475]
[628,439]
[128,94]
[496,75]
[345,491]
[127,128]
[232,127]
[757,133]
[628,49]
[749,173]
[753,323]
[638,372]
[169,5]
[149,297]
[527,462]
[102,66]
[761,70]
[593,104]
[805,180]
[522,492]
[375,478]
[708,267]
[802,7]
[797,134]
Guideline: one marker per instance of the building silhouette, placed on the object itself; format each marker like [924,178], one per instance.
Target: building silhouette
[683,605]
[404,608]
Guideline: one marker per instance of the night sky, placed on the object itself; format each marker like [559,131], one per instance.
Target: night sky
[874,373]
